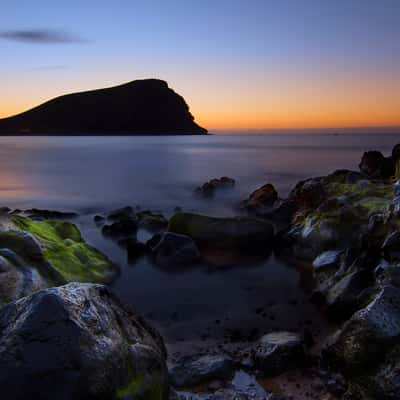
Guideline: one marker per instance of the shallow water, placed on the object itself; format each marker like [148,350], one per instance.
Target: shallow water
[96,174]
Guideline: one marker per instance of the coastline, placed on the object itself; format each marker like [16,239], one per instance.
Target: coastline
[341,226]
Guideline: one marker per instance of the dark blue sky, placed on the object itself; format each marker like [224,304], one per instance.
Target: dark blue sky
[239,64]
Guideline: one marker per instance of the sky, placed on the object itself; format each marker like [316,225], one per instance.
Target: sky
[241,65]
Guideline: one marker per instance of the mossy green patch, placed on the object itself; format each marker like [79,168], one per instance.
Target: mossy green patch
[67,252]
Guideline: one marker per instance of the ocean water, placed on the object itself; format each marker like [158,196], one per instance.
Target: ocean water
[94,175]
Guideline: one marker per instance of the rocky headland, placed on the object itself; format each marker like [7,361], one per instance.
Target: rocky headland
[141,107]
[64,334]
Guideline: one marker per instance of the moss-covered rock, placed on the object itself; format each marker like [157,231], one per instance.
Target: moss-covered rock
[63,249]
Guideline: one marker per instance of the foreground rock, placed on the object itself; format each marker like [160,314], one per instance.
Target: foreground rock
[225,237]
[79,342]
[35,255]
[278,352]
[194,370]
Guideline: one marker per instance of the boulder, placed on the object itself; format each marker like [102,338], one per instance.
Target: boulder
[328,261]
[120,229]
[37,214]
[375,165]
[391,247]
[125,213]
[368,334]
[79,342]
[194,370]
[241,234]
[384,383]
[57,250]
[176,250]
[345,296]
[277,352]
[209,188]
[17,279]
[262,199]
[151,221]
[309,193]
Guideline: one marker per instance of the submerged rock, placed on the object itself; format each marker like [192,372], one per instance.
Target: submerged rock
[194,370]
[277,352]
[176,250]
[240,235]
[152,221]
[79,342]
[125,213]
[209,188]
[133,247]
[120,229]
[37,214]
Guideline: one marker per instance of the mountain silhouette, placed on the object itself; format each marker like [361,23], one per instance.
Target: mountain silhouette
[145,106]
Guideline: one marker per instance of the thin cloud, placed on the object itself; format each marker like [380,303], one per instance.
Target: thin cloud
[41,36]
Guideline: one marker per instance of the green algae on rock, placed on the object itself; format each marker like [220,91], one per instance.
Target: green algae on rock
[65,250]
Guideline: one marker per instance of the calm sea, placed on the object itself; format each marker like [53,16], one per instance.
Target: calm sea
[96,174]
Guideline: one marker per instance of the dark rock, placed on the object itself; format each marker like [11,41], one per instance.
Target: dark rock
[176,250]
[385,382]
[121,214]
[98,218]
[328,260]
[391,247]
[374,165]
[79,342]
[133,247]
[365,338]
[388,274]
[146,106]
[344,176]
[308,194]
[245,235]
[262,199]
[151,221]
[342,299]
[17,279]
[208,189]
[277,352]
[194,370]
[4,210]
[37,214]
[153,241]
[122,228]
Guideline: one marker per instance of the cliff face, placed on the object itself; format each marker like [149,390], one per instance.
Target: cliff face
[139,107]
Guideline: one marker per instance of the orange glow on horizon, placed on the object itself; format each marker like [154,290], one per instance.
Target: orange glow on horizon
[290,101]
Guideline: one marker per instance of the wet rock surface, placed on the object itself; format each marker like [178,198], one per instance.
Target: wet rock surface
[277,352]
[197,369]
[175,250]
[80,342]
